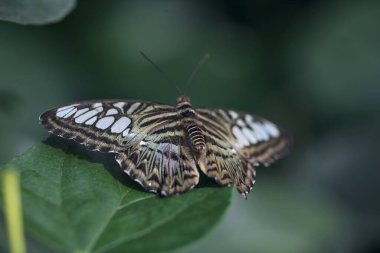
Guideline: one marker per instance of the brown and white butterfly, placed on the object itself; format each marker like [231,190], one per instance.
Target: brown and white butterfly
[161,146]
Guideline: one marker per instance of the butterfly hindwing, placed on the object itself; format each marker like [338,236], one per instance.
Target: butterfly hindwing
[224,165]
[161,164]
[236,142]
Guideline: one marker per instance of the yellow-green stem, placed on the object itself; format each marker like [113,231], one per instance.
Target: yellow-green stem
[13,213]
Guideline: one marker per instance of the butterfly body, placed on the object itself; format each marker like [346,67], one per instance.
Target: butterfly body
[187,115]
[161,146]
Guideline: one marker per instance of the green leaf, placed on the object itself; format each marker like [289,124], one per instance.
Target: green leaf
[74,205]
[35,12]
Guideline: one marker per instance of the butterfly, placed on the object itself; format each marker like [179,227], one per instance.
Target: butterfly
[164,147]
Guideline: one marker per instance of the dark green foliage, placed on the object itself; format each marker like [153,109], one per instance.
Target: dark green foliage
[35,12]
[310,66]
[72,204]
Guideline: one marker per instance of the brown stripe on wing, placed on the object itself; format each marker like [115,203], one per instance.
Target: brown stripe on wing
[166,168]
[83,135]
[226,167]
[269,151]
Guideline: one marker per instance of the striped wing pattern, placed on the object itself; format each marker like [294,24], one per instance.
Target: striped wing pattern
[137,132]
[161,146]
[236,143]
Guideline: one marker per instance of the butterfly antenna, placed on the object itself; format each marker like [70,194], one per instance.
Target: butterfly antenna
[160,70]
[196,70]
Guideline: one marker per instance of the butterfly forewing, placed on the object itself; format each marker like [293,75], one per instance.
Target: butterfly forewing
[103,125]
[253,137]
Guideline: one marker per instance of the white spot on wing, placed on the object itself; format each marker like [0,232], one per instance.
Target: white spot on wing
[66,107]
[80,112]
[111,111]
[97,105]
[261,134]
[119,105]
[105,122]
[240,122]
[91,121]
[126,132]
[249,119]
[82,118]
[120,125]
[250,135]
[232,150]
[241,139]
[70,113]
[133,108]
[233,114]
[62,113]
[271,129]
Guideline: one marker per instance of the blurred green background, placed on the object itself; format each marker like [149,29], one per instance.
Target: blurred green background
[313,67]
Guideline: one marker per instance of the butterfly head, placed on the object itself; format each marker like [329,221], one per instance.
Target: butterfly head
[183,100]
[184,107]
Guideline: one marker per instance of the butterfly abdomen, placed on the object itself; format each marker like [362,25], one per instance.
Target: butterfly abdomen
[195,135]
[188,114]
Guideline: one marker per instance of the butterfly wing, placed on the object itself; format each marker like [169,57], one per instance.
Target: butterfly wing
[236,142]
[148,143]
[162,162]
[106,126]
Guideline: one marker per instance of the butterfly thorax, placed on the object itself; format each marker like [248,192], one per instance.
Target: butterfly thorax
[188,115]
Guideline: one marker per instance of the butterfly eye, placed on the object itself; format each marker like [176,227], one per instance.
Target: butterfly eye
[187,112]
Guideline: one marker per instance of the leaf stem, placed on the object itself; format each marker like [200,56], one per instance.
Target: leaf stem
[13,214]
